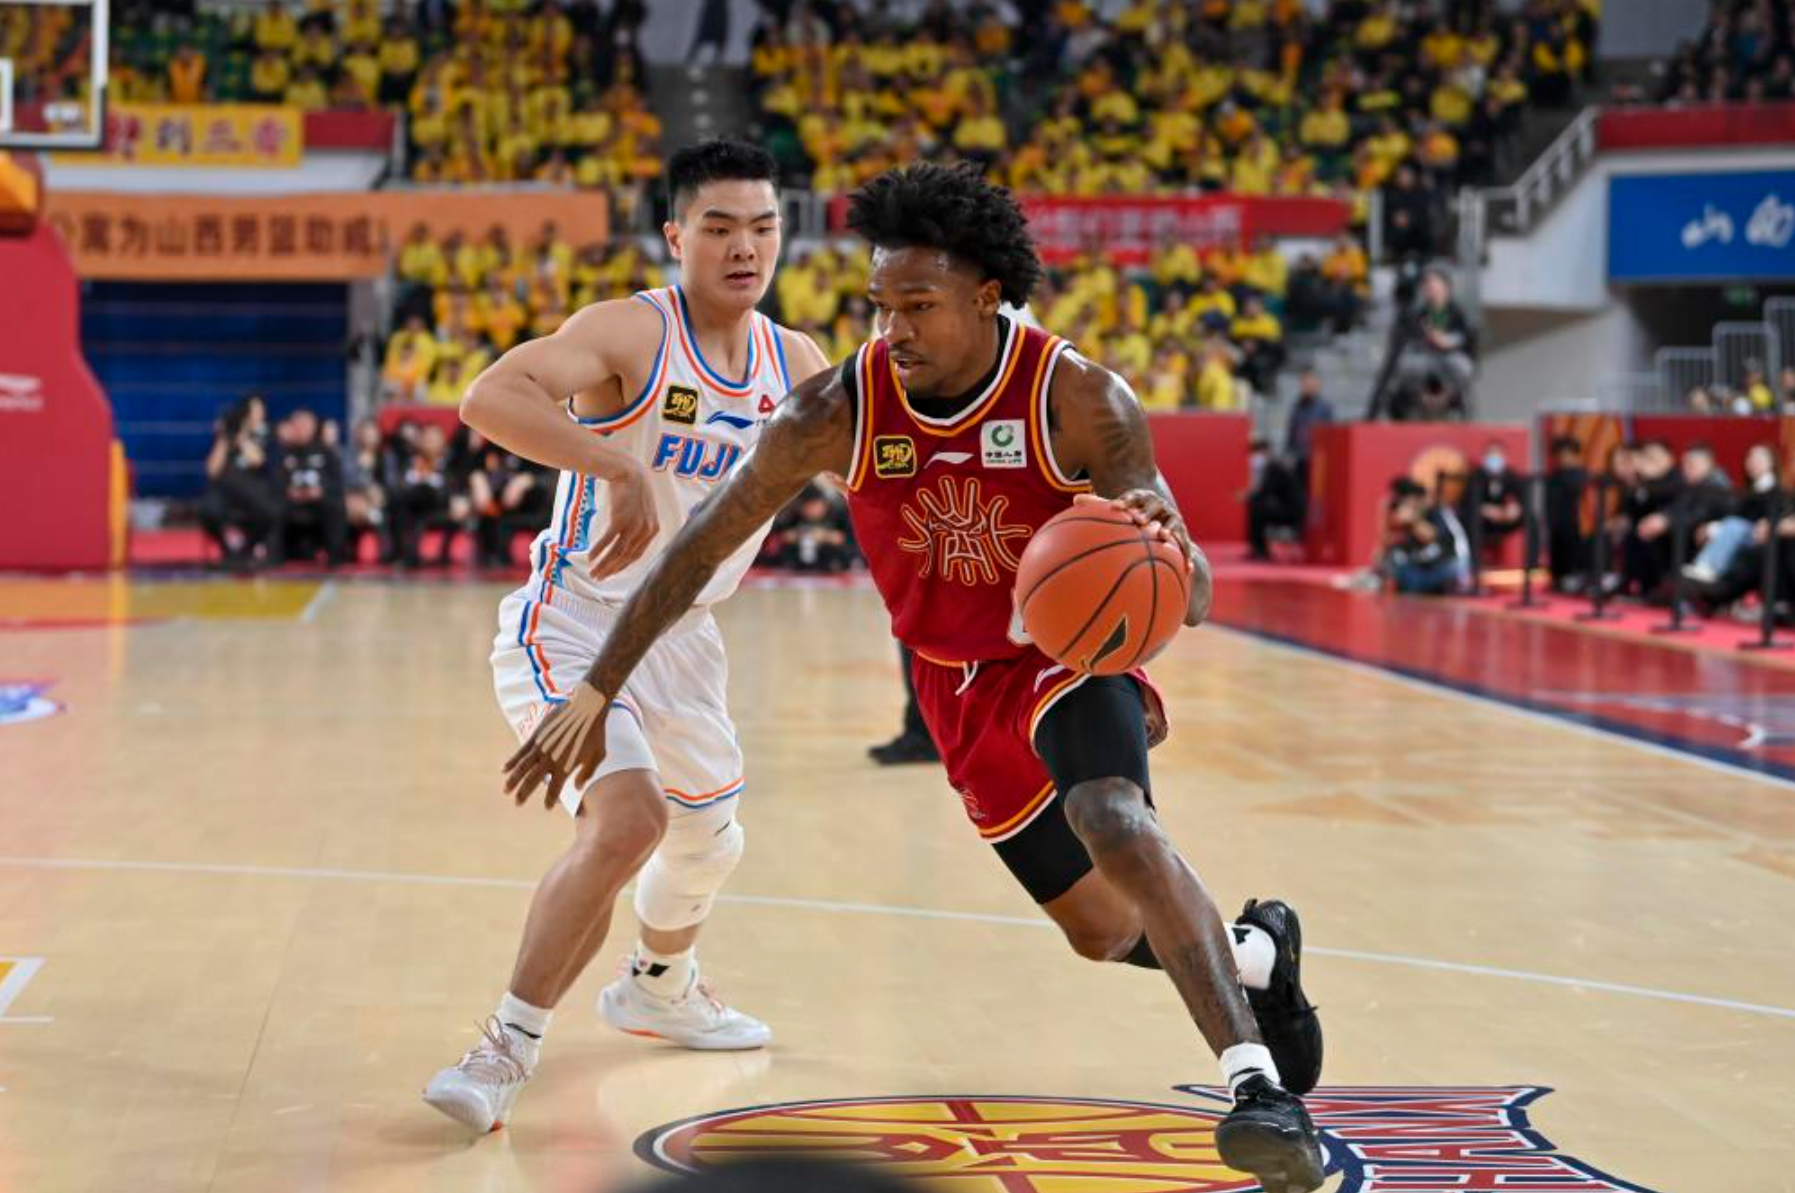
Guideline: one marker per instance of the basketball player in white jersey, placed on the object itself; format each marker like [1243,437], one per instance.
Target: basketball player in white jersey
[645,404]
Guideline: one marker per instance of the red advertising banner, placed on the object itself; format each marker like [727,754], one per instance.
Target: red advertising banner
[1130,229]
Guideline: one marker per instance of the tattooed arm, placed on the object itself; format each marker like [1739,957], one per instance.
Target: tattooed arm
[1099,429]
[812,432]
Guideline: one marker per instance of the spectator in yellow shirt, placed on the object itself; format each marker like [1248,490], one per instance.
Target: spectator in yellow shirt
[187,76]
[1130,352]
[1165,384]
[399,57]
[1215,378]
[1260,338]
[421,261]
[450,379]
[1211,304]
[1266,270]
[362,65]
[980,135]
[307,92]
[1326,129]
[316,49]
[275,28]
[268,77]
[1171,323]
[548,318]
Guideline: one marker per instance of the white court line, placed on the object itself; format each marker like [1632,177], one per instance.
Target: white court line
[1444,688]
[839,907]
[327,592]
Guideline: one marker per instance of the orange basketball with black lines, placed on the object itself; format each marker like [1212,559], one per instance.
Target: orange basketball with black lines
[1099,592]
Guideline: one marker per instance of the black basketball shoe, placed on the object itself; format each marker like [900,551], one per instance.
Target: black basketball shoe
[1287,1020]
[1270,1134]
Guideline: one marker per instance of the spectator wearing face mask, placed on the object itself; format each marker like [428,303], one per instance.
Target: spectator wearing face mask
[1497,491]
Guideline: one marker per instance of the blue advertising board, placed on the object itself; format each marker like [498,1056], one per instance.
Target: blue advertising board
[1701,227]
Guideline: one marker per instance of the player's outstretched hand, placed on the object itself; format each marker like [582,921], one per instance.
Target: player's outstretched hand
[568,744]
[632,526]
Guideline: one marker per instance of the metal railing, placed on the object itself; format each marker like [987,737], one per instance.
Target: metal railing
[1741,347]
[1515,209]
[1681,370]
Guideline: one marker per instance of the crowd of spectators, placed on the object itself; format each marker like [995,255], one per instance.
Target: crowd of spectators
[1745,53]
[493,90]
[1255,97]
[1754,395]
[1190,330]
[1664,509]
[297,492]
[1648,525]
[465,300]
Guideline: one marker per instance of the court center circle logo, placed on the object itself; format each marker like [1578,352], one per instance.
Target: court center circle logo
[1377,1137]
[997,1143]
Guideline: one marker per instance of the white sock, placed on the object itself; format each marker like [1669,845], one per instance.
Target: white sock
[525,1025]
[1248,1060]
[664,975]
[1254,955]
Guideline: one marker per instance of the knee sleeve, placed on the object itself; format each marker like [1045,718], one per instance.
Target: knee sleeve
[680,882]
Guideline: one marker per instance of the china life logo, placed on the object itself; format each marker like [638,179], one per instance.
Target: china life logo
[1001,446]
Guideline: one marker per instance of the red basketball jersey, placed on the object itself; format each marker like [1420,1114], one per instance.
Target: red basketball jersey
[944,507]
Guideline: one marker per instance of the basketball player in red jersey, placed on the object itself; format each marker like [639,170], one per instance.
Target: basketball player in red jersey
[960,432]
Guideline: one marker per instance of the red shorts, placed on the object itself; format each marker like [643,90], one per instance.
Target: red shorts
[983,718]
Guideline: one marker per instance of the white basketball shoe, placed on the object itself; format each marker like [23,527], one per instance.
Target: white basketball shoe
[697,1019]
[478,1091]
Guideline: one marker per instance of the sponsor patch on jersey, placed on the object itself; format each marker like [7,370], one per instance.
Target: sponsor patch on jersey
[893,456]
[680,405]
[1379,1139]
[1001,444]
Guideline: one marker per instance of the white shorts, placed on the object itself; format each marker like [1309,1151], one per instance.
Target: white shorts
[671,717]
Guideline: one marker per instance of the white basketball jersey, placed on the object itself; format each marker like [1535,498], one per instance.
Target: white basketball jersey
[691,426]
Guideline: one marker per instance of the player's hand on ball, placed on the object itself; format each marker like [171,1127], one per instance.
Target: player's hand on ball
[1149,509]
[632,526]
[568,744]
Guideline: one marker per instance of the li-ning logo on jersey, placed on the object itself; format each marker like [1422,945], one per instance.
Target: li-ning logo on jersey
[960,537]
[680,405]
[894,456]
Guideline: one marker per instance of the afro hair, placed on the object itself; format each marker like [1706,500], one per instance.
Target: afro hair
[953,209]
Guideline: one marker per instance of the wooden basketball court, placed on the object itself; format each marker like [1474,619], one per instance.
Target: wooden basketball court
[258,882]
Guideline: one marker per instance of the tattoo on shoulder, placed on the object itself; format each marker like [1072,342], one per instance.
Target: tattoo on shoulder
[1101,415]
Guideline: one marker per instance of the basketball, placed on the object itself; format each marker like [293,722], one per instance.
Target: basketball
[1099,592]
